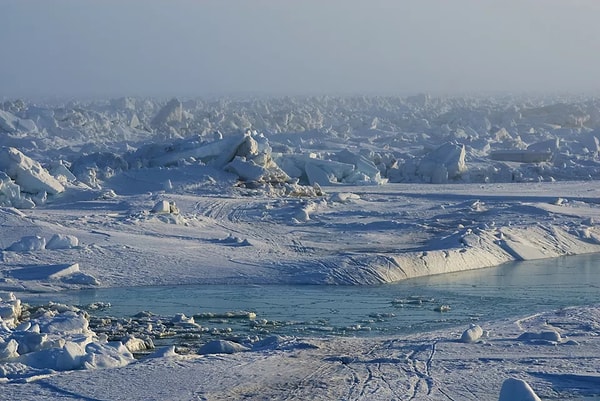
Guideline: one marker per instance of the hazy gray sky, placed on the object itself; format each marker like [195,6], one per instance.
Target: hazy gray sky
[177,47]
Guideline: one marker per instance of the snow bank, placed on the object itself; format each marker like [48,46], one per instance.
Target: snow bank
[470,249]
[68,273]
[46,272]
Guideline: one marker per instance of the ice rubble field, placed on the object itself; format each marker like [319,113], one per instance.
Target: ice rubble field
[319,190]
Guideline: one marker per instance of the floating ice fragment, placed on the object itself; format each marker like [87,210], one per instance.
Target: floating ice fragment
[134,344]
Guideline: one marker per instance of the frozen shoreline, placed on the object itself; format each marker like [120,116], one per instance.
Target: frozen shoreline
[430,366]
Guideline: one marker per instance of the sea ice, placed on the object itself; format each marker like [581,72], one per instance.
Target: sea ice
[255,172]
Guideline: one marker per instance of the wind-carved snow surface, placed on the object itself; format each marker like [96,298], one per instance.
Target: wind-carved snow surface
[317,190]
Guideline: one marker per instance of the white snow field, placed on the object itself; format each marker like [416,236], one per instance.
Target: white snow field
[315,190]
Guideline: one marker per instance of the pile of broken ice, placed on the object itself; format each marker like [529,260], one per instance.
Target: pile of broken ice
[52,338]
[264,143]
[23,181]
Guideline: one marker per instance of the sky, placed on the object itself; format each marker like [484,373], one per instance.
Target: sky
[297,47]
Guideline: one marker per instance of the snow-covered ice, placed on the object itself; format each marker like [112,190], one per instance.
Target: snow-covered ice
[331,191]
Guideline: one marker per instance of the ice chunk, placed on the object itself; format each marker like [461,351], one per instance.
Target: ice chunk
[10,311]
[521,156]
[472,334]
[8,121]
[170,113]
[319,174]
[344,197]
[249,147]
[61,172]
[517,390]
[45,272]
[70,356]
[360,162]
[8,349]
[445,163]
[246,170]
[222,347]
[80,278]
[219,152]
[161,207]
[68,322]
[28,244]
[182,318]
[110,355]
[10,193]
[11,123]
[547,335]
[165,352]
[55,337]
[28,173]
[30,341]
[134,344]
[60,241]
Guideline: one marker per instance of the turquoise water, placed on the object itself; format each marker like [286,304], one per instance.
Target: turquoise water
[514,289]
